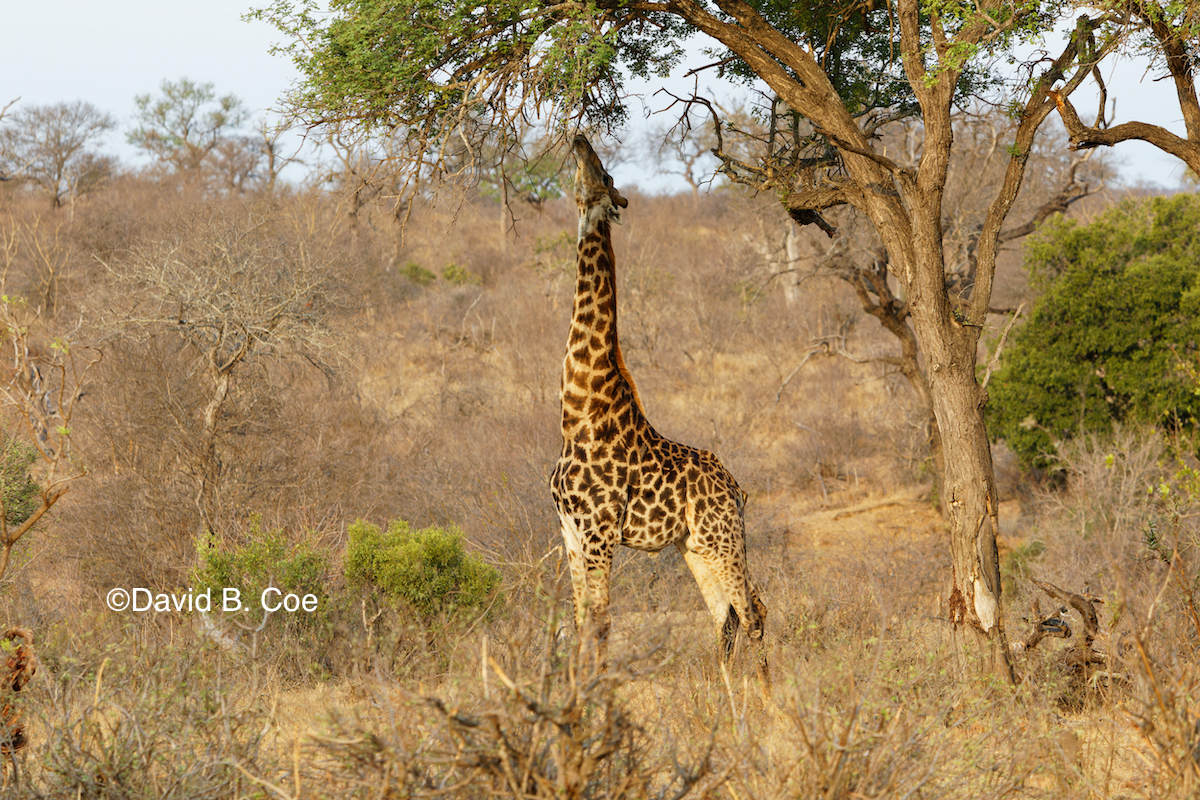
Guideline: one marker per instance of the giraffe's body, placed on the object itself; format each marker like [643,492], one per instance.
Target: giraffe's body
[620,482]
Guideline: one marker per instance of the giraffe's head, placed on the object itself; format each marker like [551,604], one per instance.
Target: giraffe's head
[597,198]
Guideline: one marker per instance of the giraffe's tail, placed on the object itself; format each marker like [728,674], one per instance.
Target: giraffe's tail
[760,609]
[755,627]
[729,633]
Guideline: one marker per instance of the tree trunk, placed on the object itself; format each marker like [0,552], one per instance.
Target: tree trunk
[970,502]
[791,250]
[968,489]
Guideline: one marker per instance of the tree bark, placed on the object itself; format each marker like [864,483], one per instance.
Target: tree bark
[969,501]
[968,479]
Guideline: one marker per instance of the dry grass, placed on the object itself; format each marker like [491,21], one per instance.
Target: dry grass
[867,711]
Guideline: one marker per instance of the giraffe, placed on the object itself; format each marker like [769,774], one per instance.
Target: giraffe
[618,481]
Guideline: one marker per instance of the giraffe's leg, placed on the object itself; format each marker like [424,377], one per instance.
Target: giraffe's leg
[745,604]
[589,554]
[730,599]
[575,560]
[714,595]
[598,550]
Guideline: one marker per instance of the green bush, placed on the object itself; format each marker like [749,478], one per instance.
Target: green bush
[268,558]
[418,274]
[427,569]
[1110,337]
[459,276]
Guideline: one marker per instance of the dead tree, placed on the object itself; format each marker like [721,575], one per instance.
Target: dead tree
[237,292]
[1080,663]
[1054,626]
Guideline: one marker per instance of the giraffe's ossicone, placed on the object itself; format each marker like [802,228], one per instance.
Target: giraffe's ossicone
[618,481]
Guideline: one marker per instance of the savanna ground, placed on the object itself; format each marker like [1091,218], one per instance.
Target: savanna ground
[420,383]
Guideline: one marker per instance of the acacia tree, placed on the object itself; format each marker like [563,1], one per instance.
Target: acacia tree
[844,72]
[52,147]
[186,124]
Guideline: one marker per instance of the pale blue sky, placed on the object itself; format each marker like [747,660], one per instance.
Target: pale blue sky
[108,52]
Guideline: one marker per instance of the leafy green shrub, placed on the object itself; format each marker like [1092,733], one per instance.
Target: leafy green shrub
[427,569]
[266,559]
[459,276]
[418,274]
[1118,317]
[269,559]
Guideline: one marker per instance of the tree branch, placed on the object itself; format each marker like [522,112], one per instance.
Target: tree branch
[995,360]
[1081,48]
[804,205]
[1083,136]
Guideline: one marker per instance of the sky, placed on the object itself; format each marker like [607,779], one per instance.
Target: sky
[108,52]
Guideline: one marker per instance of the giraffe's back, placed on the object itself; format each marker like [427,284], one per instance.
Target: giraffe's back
[680,490]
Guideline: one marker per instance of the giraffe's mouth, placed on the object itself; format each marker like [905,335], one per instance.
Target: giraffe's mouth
[591,171]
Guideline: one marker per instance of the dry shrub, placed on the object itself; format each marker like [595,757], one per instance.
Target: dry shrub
[872,711]
[1122,526]
[868,719]
[291,442]
[561,730]
[1091,528]
[166,720]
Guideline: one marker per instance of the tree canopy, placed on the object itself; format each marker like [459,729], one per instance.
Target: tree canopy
[185,124]
[1111,336]
[453,76]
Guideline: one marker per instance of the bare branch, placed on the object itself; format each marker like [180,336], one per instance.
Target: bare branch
[41,382]
[995,360]
[1083,136]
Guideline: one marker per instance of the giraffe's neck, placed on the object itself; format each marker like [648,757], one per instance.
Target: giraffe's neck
[594,373]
